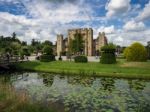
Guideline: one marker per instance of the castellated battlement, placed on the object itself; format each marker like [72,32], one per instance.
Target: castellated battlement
[80,29]
[91,45]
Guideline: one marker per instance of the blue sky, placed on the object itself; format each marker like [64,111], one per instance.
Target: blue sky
[123,21]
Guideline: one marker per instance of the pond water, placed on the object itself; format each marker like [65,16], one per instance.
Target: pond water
[84,94]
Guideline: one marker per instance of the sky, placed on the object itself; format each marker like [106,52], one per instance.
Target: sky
[123,21]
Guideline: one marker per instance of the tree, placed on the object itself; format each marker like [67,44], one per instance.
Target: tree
[25,51]
[47,50]
[14,36]
[47,55]
[15,47]
[135,52]
[47,42]
[37,46]
[8,50]
[76,44]
[148,49]
[24,43]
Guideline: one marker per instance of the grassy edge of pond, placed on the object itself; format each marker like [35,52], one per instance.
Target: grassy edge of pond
[122,69]
[11,101]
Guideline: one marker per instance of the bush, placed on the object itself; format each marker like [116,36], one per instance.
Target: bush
[37,57]
[108,54]
[81,59]
[24,51]
[108,58]
[47,58]
[135,52]
[47,50]
[60,58]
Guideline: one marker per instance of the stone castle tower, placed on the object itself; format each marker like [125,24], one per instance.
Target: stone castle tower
[59,44]
[101,40]
[90,45]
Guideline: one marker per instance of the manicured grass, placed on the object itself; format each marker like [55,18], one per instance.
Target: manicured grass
[121,69]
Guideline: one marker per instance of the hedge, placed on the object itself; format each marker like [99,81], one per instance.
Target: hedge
[108,58]
[80,59]
[108,54]
[47,58]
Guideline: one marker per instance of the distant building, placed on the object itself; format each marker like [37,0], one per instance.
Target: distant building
[92,46]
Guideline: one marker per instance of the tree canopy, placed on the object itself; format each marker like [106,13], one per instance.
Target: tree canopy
[135,52]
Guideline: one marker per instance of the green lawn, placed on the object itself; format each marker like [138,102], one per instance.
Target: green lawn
[121,69]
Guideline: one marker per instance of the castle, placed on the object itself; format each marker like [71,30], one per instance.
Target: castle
[91,46]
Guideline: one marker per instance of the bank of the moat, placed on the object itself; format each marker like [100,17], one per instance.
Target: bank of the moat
[122,69]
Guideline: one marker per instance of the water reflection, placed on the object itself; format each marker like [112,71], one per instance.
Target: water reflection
[84,94]
[47,79]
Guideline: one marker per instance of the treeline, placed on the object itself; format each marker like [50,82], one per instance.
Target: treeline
[13,46]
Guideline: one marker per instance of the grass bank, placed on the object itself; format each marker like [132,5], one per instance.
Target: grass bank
[122,69]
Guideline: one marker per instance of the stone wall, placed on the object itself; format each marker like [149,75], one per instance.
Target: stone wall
[59,44]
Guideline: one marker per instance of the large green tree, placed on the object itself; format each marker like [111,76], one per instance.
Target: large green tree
[76,44]
[135,52]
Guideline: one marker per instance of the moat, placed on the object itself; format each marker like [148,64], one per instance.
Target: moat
[83,94]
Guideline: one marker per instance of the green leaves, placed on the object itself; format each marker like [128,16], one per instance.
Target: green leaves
[135,52]
[76,44]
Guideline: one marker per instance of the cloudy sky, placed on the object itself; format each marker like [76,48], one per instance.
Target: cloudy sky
[123,21]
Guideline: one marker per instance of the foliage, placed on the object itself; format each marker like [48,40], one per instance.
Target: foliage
[110,47]
[47,58]
[108,54]
[47,50]
[36,46]
[81,59]
[8,50]
[24,51]
[148,49]
[135,52]
[10,44]
[76,44]
[47,43]
[15,48]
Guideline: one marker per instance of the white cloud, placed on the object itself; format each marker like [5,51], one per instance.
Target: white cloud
[145,13]
[118,40]
[134,26]
[107,30]
[47,19]
[124,38]
[116,7]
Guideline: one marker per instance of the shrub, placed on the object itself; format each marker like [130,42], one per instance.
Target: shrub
[81,59]
[47,50]
[24,51]
[60,58]
[135,52]
[37,57]
[47,58]
[108,54]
